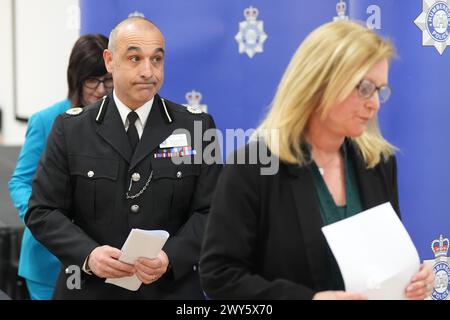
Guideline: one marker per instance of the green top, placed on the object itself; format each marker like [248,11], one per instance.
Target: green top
[331,213]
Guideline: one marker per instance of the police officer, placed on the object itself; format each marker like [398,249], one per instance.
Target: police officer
[110,167]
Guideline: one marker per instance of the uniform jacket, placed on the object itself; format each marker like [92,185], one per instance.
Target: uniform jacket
[79,196]
[36,262]
[264,240]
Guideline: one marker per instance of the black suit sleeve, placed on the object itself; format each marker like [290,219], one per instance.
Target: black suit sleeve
[183,249]
[229,261]
[49,215]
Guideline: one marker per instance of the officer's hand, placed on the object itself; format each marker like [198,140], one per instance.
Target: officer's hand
[150,270]
[338,295]
[103,262]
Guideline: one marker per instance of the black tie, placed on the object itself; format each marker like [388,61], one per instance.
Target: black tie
[132,133]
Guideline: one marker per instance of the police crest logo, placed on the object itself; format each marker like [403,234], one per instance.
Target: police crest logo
[441,269]
[434,21]
[193,105]
[74,111]
[341,7]
[251,35]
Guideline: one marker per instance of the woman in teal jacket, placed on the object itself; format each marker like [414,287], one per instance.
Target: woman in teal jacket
[88,81]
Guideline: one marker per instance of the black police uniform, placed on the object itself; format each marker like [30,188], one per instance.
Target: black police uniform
[90,190]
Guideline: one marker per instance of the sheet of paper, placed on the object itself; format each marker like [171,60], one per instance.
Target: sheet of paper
[140,243]
[374,252]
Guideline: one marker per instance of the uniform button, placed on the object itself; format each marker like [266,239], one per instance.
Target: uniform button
[90,174]
[194,267]
[136,177]
[135,208]
[179,174]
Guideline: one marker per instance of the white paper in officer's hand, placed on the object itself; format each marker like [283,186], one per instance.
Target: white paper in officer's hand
[140,243]
[374,252]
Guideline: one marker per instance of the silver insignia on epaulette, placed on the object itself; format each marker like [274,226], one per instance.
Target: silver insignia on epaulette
[194,109]
[74,111]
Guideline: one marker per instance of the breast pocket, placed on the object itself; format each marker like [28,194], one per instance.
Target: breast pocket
[177,183]
[94,182]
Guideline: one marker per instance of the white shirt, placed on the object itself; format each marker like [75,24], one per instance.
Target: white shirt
[142,112]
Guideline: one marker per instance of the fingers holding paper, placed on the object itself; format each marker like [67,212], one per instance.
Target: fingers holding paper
[338,295]
[150,270]
[422,283]
[104,263]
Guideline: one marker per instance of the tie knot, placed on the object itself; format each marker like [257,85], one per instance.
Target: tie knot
[132,117]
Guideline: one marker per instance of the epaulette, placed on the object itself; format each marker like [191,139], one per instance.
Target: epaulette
[194,109]
[74,111]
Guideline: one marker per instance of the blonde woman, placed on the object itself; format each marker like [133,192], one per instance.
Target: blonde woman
[263,239]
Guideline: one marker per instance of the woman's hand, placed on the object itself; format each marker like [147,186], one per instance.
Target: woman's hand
[422,284]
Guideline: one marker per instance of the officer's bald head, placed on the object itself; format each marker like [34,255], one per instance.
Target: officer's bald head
[129,25]
[135,58]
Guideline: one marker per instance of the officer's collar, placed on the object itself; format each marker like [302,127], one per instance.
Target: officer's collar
[143,111]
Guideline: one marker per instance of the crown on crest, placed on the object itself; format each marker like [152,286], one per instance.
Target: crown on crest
[136,14]
[193,97]
[341,7]
[251,13]
[440,247]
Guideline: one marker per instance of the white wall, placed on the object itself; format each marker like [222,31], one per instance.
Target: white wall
[6,85]
[45,33]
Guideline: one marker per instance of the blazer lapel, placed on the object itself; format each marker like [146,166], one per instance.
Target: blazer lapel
[368,179]
[308,213]
[156,131]
[113,130]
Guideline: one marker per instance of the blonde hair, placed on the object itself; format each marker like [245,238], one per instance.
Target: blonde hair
[324,70]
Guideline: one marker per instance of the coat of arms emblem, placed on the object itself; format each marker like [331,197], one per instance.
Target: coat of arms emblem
[341,7]
[441,269]
[193,105]
[434,21]
[251,35]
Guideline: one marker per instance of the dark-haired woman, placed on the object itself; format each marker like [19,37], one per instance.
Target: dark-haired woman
[88,81]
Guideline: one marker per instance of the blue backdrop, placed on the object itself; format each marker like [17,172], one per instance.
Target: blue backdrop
[203,55]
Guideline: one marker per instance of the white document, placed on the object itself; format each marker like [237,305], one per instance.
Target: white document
[175,140]
[374,252]
[140,243]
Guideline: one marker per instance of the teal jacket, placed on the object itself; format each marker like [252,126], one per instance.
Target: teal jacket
[36,262]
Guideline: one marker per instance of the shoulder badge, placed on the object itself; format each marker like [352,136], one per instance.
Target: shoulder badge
[74,111]
[194,109]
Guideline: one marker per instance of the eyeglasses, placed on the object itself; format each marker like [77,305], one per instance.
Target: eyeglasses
[93,83]
[367,88]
